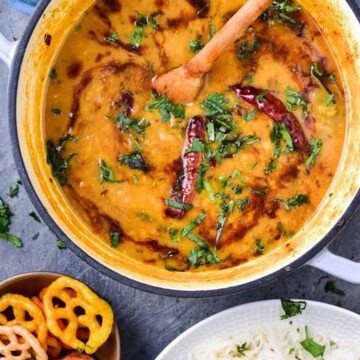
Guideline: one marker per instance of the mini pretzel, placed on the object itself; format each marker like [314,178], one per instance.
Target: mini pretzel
[21,307]
[16,339]
[92,305]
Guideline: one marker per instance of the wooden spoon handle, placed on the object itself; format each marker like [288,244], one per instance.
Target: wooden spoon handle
[232,30]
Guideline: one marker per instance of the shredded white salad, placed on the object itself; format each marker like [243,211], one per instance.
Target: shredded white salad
[280,343]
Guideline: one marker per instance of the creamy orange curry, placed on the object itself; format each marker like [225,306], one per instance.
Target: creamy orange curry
[206,185]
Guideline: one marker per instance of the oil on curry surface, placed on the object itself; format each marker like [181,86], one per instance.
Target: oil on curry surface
[211,184]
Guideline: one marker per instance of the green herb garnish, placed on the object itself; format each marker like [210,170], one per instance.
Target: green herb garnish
[271,166]
[330,286]
[283,231]
[246,49]
[107,173]
[166,108]
[141,22]
[241,349]
[13,190]
[177,205]
[60,244]
[56,111]
[115,239]
[292,308]
[134,161]
[112,38]
[262,97]
[316,145]
[297,200]
[293,100]
[196,45]
[311,346]
[259,247]
[249,116]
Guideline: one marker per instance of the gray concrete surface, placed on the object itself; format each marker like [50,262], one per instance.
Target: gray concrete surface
[147,322]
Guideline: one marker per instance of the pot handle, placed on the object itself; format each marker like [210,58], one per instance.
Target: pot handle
[336,265]
[7,50]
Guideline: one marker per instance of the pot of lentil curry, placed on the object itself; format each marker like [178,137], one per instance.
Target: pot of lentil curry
[249,181]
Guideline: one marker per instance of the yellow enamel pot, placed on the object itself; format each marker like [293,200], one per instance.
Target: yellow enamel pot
[30,64]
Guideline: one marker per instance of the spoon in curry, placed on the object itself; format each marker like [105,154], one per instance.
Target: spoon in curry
[182,85]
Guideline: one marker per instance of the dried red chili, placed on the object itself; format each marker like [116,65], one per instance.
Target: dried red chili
[276,110]
[184,190]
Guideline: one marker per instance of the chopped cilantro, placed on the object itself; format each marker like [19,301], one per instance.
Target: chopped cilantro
[134,161]
[196,45]
[197,146]
[166,108]
[297,200]
[311,346]
[59,165]
[262,97]
[115,239]
[237,189]
[226,208]
[316,145]
[249,116]
[177,205]
[283,231]
[246,49]
[249,78]
[13,190]
[292,308]
[56,111]
[144,216]
[329,100]
[60,244]
[112,38]
[242,204]
[241,349]
[107,174]
[271,166]
[332,78]
[194,224]
[53,73]
[330,286]
[279,133]
[126,124]
[199,185]
[293,100]
[210,191]
[141,22]
[212,30]
[259,247]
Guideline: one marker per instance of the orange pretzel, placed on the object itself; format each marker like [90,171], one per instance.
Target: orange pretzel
[96,314]
[22,306]
[17,340]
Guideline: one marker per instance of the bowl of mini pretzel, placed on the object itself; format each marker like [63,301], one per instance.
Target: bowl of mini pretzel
[48,316]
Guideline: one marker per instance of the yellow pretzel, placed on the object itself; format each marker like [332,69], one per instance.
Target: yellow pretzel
[21,306]
[17,340]
[82,297]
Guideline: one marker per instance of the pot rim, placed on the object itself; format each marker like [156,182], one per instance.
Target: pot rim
[39,206]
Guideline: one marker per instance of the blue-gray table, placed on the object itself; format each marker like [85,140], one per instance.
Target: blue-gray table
[147,322]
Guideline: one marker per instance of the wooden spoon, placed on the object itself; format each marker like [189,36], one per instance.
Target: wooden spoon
[183,84]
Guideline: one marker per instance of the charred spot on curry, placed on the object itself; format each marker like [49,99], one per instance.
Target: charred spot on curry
[212,184]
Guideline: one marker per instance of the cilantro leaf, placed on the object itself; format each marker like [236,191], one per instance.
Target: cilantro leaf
[196,45]
[112,38]
[316,145]
[292,308]
[107,174]
[297,200]
[134,161]
[311,346]
[330,286]
[177,205]
[166,108]
[293,100]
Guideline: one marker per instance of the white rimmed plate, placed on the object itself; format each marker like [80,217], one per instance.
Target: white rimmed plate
[342,325]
